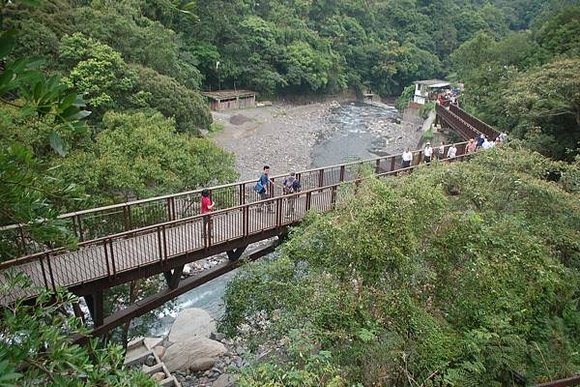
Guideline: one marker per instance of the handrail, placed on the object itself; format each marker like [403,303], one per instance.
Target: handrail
[102,221]
[490,132]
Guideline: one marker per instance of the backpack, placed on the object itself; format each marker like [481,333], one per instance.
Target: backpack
[296,186]
[292,187]
[259,187]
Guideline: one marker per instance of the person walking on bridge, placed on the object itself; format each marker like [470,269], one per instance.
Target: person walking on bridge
[427,153]
[207,206]
[441,151]
[452,152]
[471,146]
[262,186]
[291,185]
[407,158]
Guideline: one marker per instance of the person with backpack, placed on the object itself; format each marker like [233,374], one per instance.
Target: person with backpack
[262,185]
[291,185]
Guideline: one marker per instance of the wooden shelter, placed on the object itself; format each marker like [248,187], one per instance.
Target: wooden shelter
[231,99]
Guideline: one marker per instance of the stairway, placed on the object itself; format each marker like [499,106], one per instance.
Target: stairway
[139,353]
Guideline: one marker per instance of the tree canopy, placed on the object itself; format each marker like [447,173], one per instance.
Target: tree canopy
[460,274]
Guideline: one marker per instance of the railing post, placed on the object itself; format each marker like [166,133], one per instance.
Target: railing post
[333,196]
[170,207]
[342,170]
[50,273]
[23,240]
[126,222]
[107,258]
[164,242]
[112,254]
[279,211]
[241,194]
[159,243]
[392,163]
[80,226]
[308,200]
[377,166]
[245,220]
[44,270]
[321,178]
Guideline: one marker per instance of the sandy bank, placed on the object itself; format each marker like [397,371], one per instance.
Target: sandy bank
[281,136]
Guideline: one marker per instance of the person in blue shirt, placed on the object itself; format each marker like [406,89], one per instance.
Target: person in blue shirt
[262,186]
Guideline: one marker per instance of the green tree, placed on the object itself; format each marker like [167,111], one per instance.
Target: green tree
[549,99]
[139,155]
[37,347]
[98,71]
[458,283]
[163,93]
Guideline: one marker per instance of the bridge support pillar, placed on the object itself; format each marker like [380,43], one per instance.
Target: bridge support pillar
[234,255]
[173,277]
[95,304]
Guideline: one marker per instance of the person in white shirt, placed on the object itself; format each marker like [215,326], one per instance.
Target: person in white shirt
[407,158]
[441,151]
[427,153]
[452,151]
[487,144]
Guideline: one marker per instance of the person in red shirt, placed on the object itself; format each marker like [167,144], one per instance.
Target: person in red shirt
[206,207]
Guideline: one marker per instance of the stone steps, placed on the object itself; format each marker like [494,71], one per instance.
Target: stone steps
[139,352]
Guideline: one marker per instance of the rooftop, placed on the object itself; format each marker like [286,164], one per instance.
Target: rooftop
[228,94]
[433,83]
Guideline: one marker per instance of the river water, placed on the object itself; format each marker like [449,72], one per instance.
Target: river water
[351,135]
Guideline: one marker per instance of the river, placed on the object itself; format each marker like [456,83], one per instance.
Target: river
[351,135]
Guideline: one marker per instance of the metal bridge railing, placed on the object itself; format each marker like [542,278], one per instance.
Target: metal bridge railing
[135,249]
[457,124]
[481,126]
[99,222]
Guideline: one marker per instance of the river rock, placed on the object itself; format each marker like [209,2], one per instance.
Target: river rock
[159,351]
[225,380]
[158,376]
[202,364]
[180,356]
[190,323]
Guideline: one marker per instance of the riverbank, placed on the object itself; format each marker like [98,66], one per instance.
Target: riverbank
[281,136]
[289,137]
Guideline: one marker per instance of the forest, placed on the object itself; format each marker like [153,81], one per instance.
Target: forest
[100,102]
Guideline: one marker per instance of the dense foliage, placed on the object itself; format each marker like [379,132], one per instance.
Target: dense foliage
[272,46]
[459,274]
[528,82]
[516,58]
[36,347]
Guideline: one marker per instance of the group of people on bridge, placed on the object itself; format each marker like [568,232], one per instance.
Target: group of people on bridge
[290,185]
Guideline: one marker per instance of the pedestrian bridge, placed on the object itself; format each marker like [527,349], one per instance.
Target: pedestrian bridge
[143,238]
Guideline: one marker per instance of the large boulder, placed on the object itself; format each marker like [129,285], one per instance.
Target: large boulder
[182,355]
[205,363]
[190,323]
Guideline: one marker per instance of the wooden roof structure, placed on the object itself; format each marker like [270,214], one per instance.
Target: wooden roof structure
[228,94]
